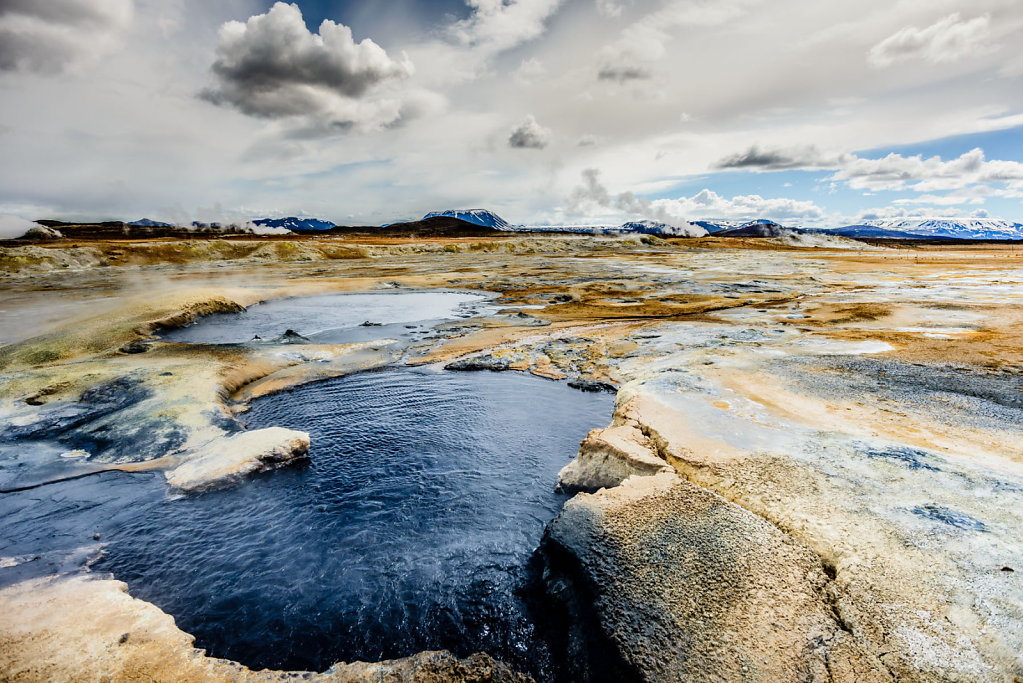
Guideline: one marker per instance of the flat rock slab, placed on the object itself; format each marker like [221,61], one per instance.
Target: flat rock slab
[226,459]
[87,629]
[663,580]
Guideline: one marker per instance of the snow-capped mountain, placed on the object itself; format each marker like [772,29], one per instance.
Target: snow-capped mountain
[295,224]
[713,225]
[478,216]
[866,231]
[958,228]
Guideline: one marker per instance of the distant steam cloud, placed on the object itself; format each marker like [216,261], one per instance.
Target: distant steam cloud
[948,40]
[51,36]
[272,66]
[13,227]
[529,135]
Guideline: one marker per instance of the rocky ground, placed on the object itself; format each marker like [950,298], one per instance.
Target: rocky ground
[814,472]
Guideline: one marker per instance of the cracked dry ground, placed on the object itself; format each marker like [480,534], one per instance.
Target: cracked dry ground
[814,471]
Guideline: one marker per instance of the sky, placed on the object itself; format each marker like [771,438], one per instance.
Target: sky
[545,111]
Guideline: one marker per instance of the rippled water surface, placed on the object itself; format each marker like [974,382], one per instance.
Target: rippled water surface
[410,528]
[332,318]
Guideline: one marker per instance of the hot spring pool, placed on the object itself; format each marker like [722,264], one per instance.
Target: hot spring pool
[410,528]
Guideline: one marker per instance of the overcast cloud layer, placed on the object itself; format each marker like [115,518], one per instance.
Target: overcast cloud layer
[556,111]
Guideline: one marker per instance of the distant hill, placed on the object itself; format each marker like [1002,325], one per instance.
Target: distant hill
[294,224]
[482,217]
[148,223]
[757,229]
[867,231]
[119,230]
[434,226]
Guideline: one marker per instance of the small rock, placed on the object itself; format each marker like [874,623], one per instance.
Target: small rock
[592,385]
[476,363]
[123,639]
[136,346]
[370,323]
[291,337]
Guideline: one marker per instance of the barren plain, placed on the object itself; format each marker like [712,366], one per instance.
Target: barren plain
[814,470]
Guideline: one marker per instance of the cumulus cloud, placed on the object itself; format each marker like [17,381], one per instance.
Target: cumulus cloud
[948,40]
[272,66]
[529,135]
[498,25]
[898,172]
[707,203]
[704,204]
[763,159]
[51,36]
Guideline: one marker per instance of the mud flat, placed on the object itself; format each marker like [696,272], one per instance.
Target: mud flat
[814,470]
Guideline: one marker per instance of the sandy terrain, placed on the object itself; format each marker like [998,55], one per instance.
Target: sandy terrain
[815,469]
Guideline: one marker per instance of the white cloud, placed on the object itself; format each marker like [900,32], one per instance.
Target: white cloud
[952,199]
[897,172]
[50,36]
[704,204]
[611,9]
[530,71]
[644,43]
[529,135]
[948,40]
[499,25]
[709,204]
[272,66]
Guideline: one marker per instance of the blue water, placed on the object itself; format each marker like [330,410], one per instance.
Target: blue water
[409,529]
[335,318]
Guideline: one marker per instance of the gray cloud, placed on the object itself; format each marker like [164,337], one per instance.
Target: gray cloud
[757,158]
[272,66]
[529,135]
[621,73]
[50,36]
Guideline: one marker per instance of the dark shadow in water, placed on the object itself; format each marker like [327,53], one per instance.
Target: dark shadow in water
[410,529]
